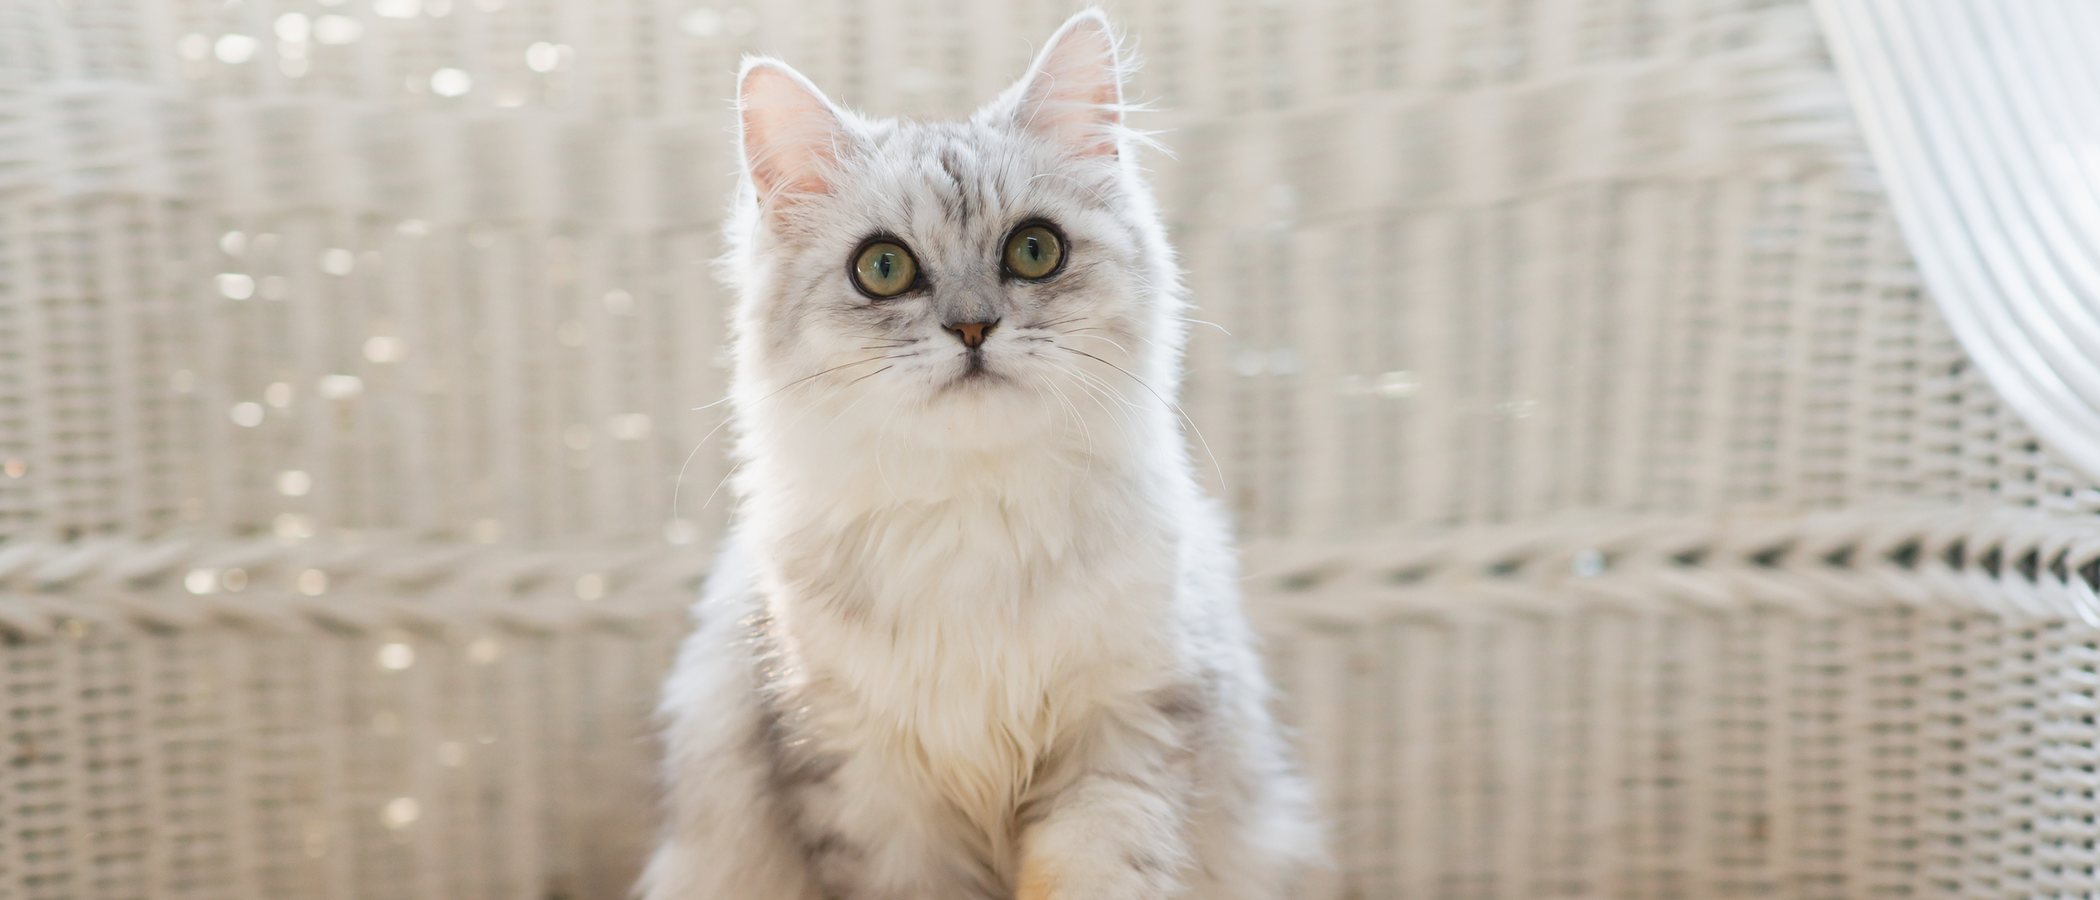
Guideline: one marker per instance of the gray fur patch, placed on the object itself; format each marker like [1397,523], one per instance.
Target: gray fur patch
[1183,704]
[958,201]
[794,765]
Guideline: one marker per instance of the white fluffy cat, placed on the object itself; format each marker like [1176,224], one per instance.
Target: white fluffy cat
[978,633]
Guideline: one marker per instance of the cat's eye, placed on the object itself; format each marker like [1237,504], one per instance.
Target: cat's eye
[884,269]
[1034,252]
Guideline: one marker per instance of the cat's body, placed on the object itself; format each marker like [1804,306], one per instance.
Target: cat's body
[978,634]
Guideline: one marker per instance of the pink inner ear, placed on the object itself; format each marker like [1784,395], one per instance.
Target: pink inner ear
[785,165]
[1074,94]
[791,135]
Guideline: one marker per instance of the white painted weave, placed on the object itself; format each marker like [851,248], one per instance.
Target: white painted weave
[1981,118]
[1624,518]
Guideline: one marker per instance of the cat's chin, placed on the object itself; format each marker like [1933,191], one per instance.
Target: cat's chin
[977,379]
[988,411]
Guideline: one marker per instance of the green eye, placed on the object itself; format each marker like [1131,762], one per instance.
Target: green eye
[1034,252]
[884,269]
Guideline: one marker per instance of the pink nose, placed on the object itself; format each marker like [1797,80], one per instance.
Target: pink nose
[972,334]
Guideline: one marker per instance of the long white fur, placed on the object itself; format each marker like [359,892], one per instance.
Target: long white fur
[972,638]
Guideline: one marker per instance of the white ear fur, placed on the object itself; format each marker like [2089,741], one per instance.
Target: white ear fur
[1073,95]
[791,136]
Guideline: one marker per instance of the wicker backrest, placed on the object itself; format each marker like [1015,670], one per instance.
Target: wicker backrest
[1623,518]
[442,267]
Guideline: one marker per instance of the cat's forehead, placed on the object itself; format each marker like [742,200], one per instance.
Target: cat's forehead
[950,150]
[965,176]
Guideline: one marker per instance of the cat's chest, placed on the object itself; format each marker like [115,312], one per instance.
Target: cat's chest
[942,585]
[963,722]
[961,655]
[979,657]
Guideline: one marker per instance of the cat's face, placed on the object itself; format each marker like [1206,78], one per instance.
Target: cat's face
[991,281]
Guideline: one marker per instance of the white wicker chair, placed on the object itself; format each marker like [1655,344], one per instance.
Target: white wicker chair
[1624,518]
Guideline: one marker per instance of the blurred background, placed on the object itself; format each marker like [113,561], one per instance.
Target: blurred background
[1624,514]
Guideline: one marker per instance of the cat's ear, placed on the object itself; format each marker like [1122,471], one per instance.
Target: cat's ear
[791,136]
[1073,95]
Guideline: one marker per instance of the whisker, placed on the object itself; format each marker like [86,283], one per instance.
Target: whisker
[797,420]
[867,376]
[1096,388]
[1083,429]
[1148,341]
[678,481]
[704,504]
[1037,387]
[1125,410]
[1194,321]
[1104,385]
[1176,407]
[1096,337]
[797,381]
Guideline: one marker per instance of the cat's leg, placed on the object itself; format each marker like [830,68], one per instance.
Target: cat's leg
[1118,830]
[724,840]
[685,869]
[1251,853]
[1258,847]
[1196,803]
[877,834]
[1254,835]
[725,836]
[1108,838]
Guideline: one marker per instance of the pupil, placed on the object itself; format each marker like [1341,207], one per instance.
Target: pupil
[1035,249]
[882,265]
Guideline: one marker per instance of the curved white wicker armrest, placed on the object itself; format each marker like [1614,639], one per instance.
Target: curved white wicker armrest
[1982,118]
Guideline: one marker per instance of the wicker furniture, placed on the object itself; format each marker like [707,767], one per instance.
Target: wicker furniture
[1625,519]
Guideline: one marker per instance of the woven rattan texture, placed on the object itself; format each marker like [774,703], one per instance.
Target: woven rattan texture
[415,725]
[300,267]
[338,341]
[1834,706]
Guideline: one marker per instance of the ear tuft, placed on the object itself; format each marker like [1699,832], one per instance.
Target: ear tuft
[1073,95]
[791,136]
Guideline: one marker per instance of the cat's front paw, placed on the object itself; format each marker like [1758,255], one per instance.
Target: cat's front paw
[1038,881]
[1133,878]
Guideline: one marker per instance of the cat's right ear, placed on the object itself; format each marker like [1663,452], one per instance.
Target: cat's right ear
[792,138]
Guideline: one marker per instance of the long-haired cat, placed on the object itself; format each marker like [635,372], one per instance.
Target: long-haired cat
[977,634]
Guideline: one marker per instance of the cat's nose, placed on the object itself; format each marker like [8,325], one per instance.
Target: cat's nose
[972,334]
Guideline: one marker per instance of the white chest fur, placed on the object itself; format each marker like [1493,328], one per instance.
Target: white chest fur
[959,643]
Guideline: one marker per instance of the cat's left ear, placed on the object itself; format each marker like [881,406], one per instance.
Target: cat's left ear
[791,136]
[1073,95]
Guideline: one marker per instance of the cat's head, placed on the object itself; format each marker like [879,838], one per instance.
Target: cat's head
[992,283]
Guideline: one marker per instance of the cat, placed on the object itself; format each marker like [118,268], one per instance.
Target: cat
[976,632]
